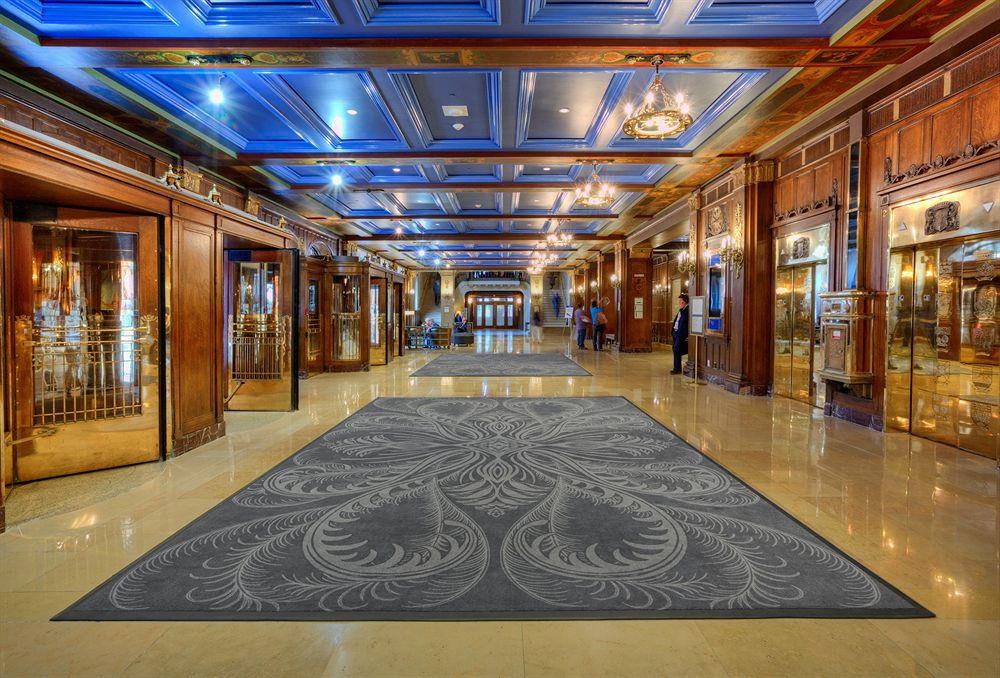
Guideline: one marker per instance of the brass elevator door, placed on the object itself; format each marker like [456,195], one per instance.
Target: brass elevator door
[261,292]
[85,351]
[943,365]
[796,337]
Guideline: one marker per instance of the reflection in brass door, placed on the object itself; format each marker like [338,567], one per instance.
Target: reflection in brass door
[261,359]
[85,341]
[797,353]
[377,302]
[783,333]
[314,324]
[943,370]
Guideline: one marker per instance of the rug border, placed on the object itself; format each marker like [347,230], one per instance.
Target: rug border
[919,611]
[587,373]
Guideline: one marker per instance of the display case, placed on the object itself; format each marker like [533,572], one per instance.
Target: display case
[347,348]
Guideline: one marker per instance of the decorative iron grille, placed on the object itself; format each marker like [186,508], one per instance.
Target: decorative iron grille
[88,372]
[257,346]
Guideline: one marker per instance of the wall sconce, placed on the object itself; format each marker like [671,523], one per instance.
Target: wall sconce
[731,254]
[593,284]
[616,282]
[579,289]
[686,265]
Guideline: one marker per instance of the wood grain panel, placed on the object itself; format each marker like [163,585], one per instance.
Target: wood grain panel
[985,113]
[948,129]
[911,142]
[196,347]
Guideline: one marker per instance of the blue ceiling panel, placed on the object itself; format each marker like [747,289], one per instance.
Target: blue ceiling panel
[244,119]
[536,202]
[88,12]
[388,173]
[637,174]
[351,203]
[563,107]
[470,172]
[296,174]
[533,226]
[600,12]
[551,173]
[775,12]
[346,103]
[262,12]
[422,13]
[422,203]
[478,203]
[484,226]
[424,93]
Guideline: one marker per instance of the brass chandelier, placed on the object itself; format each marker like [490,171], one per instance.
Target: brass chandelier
[595,193]
[660,115]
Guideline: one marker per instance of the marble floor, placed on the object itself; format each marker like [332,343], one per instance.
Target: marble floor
[922,515]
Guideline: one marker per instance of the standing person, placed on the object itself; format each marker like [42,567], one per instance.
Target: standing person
[556,303]
[536,326]
[680,333]
[597,312]
[581,319]
[599,329]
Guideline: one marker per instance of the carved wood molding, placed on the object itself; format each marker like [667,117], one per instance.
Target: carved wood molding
[751,173]
[824,203]
[940,162]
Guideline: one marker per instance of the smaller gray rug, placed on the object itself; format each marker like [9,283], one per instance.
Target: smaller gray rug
[501,365]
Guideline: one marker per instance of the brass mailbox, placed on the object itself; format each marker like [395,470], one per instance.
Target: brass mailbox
[846,320]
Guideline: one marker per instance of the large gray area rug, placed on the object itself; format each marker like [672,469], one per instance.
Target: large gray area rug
[501,365]
[494,508]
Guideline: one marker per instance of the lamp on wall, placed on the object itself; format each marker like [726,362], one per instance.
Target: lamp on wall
[732,251]
[616,282]
[687,264]
[593,284]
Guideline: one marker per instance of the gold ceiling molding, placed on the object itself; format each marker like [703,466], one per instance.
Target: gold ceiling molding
[750,173]
[694,201]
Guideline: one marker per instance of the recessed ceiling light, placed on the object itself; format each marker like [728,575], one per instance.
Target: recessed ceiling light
[546,169]
[421,252]
[478,205]
[351,111]
[455,111]
[399,230]
[396,169]
[458,126]
[336,180]
[216,96]
[564,110]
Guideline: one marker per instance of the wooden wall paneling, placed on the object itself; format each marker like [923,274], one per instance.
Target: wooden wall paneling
[6,458]
[984,111]
[611,308]
[637,333]
[195,329]
[261,235]
[948,129]
[756,297]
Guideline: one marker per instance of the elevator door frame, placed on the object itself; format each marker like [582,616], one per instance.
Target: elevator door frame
[812,396]
[894,411]
[47,456]
[263,395]
[314,269]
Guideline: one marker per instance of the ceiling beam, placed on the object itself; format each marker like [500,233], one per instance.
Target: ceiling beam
[469,217]
[455,187]
[480,52]
[449,157]
[474,238]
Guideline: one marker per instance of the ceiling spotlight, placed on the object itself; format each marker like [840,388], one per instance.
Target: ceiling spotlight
[351,111]
[396,170]
[546,169]
[215,95]
[458,126]
[437,261]
[399,230]
[421,252]
[336,180]
[564,110]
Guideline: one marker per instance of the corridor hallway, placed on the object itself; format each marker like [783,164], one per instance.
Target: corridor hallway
[919,514]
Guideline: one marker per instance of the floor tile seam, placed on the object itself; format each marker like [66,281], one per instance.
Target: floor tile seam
[902,649]
[711,646]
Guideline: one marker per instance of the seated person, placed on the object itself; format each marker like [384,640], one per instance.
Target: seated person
[427,326]
[460,324]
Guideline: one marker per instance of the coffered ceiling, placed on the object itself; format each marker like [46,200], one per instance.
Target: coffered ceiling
[457,130]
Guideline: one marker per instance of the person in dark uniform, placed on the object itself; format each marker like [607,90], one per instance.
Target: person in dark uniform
[680,333]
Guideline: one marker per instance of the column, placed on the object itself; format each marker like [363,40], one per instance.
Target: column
[636,322]
[447,298]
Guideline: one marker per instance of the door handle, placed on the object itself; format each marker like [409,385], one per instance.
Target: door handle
[43,433]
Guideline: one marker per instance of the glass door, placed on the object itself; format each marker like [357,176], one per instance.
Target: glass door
[85,298]
[943,367]
[377,321]
[798,351]
[314,324]
[261,362]
[783,333]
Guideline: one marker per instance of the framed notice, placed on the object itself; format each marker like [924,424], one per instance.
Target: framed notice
[568,313]
[696,316]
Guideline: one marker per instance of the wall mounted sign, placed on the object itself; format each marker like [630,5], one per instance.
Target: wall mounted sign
[638,308]
[696,316]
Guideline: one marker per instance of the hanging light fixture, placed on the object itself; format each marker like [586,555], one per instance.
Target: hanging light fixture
[660,114]
[595,193]
[557,238]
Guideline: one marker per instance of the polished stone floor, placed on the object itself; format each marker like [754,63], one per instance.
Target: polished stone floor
[922,515]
